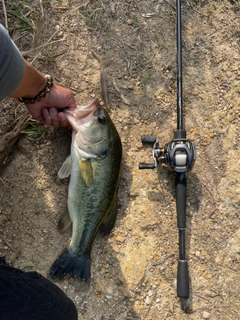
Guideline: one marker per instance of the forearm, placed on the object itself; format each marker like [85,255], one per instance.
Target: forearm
[33,82]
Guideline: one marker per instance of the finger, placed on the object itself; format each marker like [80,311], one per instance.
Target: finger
[36,114]
[54,116]
[47,120]
[63,122]
[72,103]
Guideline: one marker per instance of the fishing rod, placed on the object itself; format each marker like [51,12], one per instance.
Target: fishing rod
[179,155]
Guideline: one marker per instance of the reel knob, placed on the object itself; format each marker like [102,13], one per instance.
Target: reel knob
[142,166]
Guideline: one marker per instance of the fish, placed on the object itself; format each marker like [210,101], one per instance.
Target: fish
[94,166]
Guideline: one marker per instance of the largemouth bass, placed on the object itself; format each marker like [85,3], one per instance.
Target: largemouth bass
[94,165]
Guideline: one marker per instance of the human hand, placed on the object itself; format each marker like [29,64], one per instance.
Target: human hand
[47,110]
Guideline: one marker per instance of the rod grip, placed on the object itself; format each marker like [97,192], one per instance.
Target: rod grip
[182,279]
[181,196]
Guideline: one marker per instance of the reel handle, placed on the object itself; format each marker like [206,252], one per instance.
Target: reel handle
[152,141]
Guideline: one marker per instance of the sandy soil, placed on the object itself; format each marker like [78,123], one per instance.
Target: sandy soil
[134,270]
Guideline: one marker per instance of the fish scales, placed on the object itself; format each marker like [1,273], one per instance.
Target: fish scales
[94,199]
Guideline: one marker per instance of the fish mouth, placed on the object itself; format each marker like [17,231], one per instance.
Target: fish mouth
[82,114]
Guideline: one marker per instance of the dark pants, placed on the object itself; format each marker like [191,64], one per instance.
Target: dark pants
[30,296]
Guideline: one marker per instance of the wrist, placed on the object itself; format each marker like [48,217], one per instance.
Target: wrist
[41,94]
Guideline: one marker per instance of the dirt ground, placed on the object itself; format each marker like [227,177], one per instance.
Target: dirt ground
[134,270]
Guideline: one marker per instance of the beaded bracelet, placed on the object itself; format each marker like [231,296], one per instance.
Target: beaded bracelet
[41,94]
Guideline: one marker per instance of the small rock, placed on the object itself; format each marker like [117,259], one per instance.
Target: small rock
[229,74]
[135,121]
[3,219]
[130,86]
[119,238]
[206,315]
[148,300]
[198,254]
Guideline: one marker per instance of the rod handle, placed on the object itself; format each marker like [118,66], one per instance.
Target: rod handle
[181,199]
[182,279]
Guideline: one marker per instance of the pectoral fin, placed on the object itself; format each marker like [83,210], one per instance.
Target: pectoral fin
[86,171]
[64,220]
[66,168]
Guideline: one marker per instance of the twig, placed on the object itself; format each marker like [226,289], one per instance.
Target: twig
[21,35]
[124,99]
[24,53]
[103,5]
[202,297]
[8,244]
[2,189]
[137,4]
[83,5]
[41,7]
[35,57]
[172,6]
[197,11]
[59,54]
[45,44]
[5,14]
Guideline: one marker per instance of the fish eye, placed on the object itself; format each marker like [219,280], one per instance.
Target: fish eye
[101,119]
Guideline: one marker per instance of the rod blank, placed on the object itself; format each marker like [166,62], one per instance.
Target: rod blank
[180,125]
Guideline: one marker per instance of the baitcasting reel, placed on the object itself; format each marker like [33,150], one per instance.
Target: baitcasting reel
[179,154]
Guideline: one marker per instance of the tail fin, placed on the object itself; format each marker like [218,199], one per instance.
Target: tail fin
[75,266]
